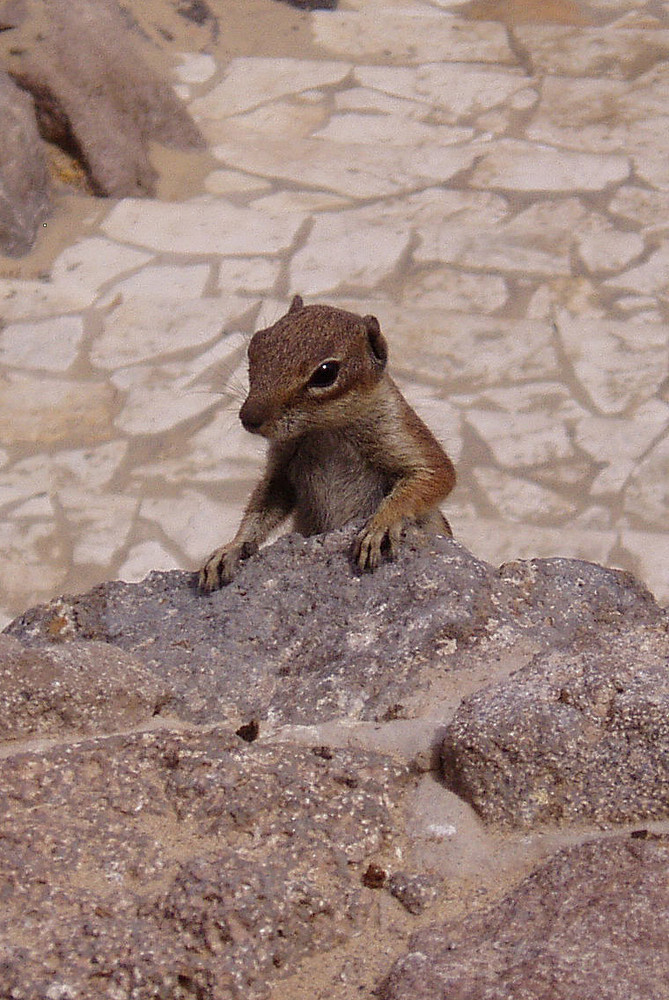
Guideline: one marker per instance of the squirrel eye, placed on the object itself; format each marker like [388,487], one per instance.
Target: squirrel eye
[324,376]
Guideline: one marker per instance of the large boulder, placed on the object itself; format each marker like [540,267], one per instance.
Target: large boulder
[582,733]
[74,689]
[592,923]
[300,637]
[203,793]
[181,864]
[95,94]
[77,77]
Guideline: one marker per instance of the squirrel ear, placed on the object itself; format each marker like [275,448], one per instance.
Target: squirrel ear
[377,341]
[296,304]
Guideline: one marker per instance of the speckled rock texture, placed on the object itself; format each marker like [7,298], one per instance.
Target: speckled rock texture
[202,793]
[300,637]
[580,733]
[73,689]
[181,865]
[592,923]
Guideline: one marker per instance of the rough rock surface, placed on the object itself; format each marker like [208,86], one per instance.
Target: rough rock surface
[180,864]
[73,689]
[24,182]
[580,733]
[299,637]
[235,784]
[592,923]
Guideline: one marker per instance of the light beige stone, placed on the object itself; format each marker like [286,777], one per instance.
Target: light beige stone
[90,264]
[500,540]
[343,249]
[646,208]
[280,119]
[521,439]
[195,67]
[649,554]
[647,495]
[590,52]
[232,181]
[552,398]
[161,281]
[604,248]
[438,209]
[520,499]
[220,451]
[367,101]
[651,278]
[47,345]
[581,114]
[619,442]
[467,352]
[414,35]
[92,467]
[453,89]
[522,166]
[203,226]
[193,522]
[632,303]
[246,275]
[144,558]
[100,523]
[394,129]
[618,364]
[603,116]
[350,169]
[537,241]
[32,567]
[21,300]
[159,397]
[141,328]
[156,399]
[300,201]
[46,473]
[251,81]
[456,291]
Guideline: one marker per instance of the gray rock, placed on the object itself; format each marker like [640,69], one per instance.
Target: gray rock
[415,892]
[182,864]
[95,94]
[592,923]
[581,734]
[300,637]
[24,182]
[80,688]
[206,855]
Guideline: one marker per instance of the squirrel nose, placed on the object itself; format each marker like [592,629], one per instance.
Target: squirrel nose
[252,415]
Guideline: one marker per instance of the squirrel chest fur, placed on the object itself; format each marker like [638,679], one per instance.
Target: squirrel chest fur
[343,441]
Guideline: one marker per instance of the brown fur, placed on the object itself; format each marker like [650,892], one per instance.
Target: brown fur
[351,449]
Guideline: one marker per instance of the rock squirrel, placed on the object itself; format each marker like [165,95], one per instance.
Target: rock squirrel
[344,443]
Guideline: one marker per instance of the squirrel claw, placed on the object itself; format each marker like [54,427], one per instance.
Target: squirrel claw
[220,567]
[374,544]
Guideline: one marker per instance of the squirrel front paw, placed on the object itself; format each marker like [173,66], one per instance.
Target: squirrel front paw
[377,541]
[222,565]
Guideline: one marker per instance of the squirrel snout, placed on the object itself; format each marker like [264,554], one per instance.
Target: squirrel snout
[252,415]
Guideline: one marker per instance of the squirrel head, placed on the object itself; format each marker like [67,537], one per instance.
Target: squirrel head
[314,368]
